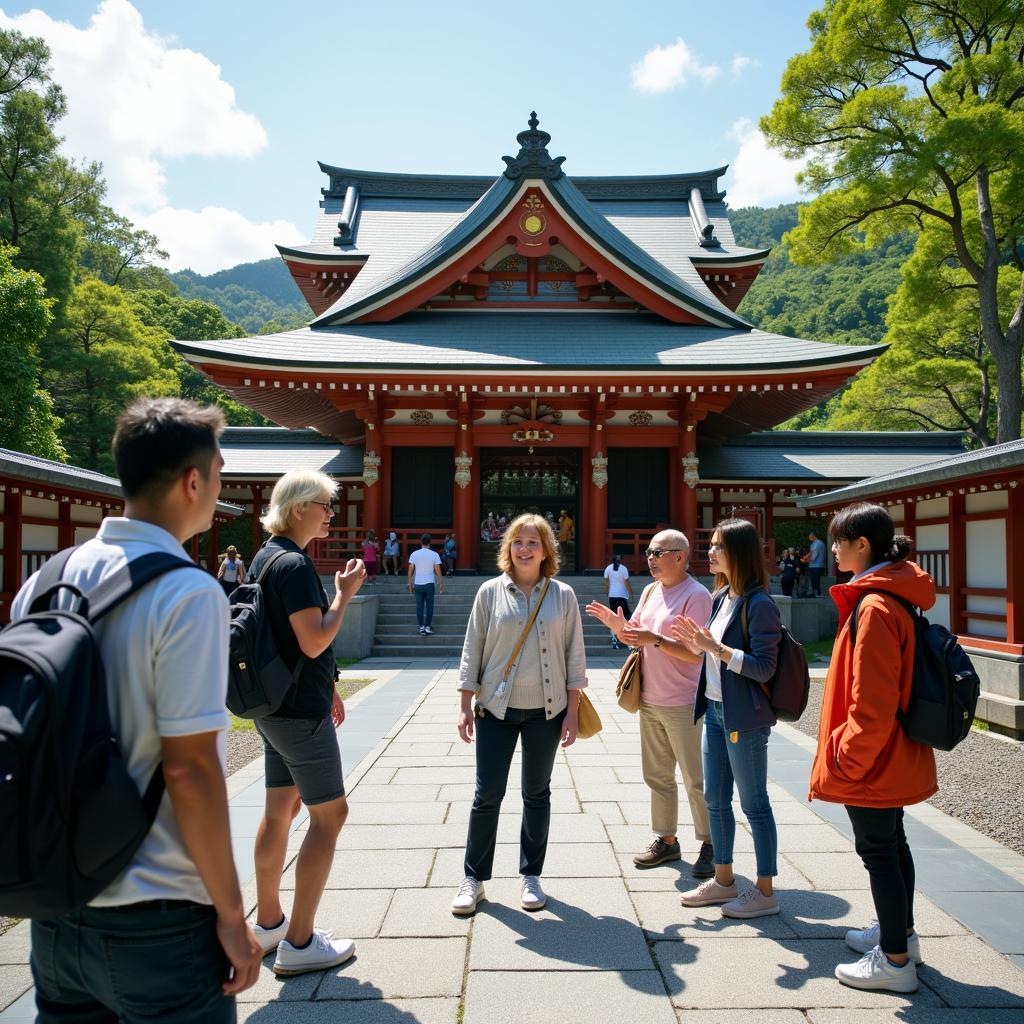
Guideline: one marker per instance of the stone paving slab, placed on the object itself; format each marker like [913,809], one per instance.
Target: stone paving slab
[964,971]
[406,812]
[711,973]
[398,968]
[424,913]
[832,872]
[745,1017]
[829,915]
[912,1015]
[587,998]
[374,869]
[564,860]
[663,918]
[15,979]
[14,944]
[587,925]
[378,1011]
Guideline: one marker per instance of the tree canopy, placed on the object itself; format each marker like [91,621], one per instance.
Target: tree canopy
[912,114]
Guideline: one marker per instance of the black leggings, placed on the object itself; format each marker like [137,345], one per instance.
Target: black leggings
[882,844]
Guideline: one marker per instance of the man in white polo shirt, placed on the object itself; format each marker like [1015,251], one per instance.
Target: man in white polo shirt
[167,939]
[424,573]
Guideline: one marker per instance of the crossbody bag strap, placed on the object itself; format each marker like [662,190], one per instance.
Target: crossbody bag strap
[529,625]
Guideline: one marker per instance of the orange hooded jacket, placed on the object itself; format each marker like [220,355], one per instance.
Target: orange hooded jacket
[864,757]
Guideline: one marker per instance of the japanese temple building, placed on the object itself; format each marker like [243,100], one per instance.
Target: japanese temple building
[534,341]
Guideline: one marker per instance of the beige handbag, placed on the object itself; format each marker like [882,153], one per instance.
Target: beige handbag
[627,689]
[589,722]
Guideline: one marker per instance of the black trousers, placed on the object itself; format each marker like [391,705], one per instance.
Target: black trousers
[787,584]
[615,603]
[495,744]
[882,844]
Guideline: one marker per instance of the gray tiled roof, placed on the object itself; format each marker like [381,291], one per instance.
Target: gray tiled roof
[385,229]
[520,341]
[60,474]
[818,456]
[272,451]
[926,474]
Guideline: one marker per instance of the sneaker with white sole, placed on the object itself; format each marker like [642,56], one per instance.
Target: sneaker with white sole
[751,903]
[533,897]
[875,973]
[708,893]
[268,938]
[468,898]
[864,939]
[322,952]
[427,631]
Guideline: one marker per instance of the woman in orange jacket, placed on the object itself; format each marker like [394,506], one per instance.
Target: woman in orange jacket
[864,759]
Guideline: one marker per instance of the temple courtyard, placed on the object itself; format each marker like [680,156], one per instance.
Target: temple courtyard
[613,943]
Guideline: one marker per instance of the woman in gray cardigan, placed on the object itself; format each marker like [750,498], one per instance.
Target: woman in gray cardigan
[528,692]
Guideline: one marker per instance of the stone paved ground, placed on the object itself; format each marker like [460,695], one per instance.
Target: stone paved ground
[613,943]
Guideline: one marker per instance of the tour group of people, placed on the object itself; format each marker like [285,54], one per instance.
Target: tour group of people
[169,939]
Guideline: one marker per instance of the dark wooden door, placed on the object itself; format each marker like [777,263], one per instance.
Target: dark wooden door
[638,495]
[422,482]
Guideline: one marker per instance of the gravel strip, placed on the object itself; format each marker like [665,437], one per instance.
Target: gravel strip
[979,780]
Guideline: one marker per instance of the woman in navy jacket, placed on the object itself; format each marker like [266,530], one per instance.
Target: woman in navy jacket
[739,659]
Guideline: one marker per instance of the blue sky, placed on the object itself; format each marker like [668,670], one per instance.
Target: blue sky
[210,117]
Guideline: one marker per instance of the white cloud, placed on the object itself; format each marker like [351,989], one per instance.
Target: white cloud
[741,63]
[760,176]
[667,67]
[213,238]
[134,102]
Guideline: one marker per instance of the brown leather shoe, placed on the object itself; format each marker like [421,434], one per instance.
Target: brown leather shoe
[659,852]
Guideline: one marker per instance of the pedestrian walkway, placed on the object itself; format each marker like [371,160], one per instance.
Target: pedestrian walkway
[613,943]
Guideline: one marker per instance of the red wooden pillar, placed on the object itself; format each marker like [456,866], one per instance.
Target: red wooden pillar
[595,477]
[957,564]
[65,528]
[1015,566]
[769,513]
[194,548]
[12,547]
[688,494]
[675,486]
[466,482]
[213,562]
[716,505]
[909,527]
[257,530]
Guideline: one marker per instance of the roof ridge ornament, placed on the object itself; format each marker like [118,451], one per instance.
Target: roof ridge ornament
[533,160]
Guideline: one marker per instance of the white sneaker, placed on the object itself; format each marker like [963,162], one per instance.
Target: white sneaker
[470,893]
[874,973]
[533,897]
[427,631]
[268,938]
[864,939]
[321,953]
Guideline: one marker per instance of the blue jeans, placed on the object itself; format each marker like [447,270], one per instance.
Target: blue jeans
[746,761]
[424,603]
[157,961]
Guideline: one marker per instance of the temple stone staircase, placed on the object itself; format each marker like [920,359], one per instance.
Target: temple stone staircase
[397,634]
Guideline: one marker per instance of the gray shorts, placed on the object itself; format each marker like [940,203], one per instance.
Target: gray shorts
[302,753]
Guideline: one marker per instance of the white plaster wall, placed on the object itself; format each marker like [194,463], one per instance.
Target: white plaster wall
[84,533]
[987,501]
[986,553]
[933,509]
[41,507]
[38,538]
[932,538]
[940,612]
[86,514]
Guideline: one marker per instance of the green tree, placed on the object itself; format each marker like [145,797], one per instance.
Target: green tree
[27,422]
[194,320]
[43,195]
[912,113]
[113,245]
[102,358]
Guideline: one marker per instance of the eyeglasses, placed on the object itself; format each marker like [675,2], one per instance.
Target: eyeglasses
[716,547]
[326,506]
[658,552]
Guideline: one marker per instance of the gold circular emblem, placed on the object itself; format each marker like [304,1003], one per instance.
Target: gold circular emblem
[532,224]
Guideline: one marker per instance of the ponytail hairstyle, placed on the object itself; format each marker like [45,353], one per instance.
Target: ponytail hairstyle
[875,525]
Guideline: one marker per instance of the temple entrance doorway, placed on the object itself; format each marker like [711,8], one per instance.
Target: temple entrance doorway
[513,481]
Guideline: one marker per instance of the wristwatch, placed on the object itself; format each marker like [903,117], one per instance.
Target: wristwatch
[659,640]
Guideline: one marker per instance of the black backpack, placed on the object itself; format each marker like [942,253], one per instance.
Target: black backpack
[71,816]
[790,685]
[258,677]
[945,686]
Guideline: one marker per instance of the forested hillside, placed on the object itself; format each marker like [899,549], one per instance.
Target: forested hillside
[261,297]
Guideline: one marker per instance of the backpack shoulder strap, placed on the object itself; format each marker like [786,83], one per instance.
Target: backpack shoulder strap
[49,580]
[910,609]
[106,596]
[268,563]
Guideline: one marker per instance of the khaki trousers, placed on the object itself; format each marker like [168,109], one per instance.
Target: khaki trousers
[668,736]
